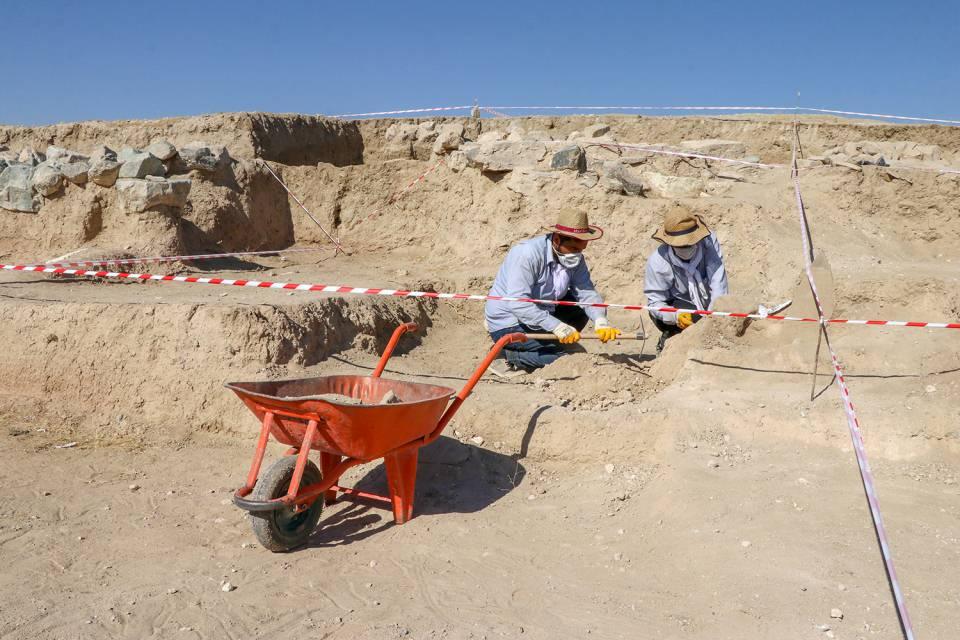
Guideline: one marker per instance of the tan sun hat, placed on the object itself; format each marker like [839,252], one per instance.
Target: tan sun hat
[681,227]
[575,224]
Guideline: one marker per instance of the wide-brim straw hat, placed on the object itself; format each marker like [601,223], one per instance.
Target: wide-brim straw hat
[575,224]
[681,227]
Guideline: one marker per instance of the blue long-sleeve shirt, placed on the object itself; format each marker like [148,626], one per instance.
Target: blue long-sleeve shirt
[663,283]
[526,272]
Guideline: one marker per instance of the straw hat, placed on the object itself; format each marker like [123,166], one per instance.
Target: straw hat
[575,224]
[681,227]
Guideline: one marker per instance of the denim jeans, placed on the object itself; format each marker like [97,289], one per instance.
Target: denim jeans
[533,354]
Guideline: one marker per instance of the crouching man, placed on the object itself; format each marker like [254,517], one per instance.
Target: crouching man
[686,271]
[547,267]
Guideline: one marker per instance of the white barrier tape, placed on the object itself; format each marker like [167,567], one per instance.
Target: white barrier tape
[684,154]
[879,115]
[401,111]
[96,262]
[853,423]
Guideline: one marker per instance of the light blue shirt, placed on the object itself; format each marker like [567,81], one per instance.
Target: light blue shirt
[662,282]
[527,272]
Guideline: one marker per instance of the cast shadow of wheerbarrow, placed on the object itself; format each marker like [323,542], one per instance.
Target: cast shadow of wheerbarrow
[452,477]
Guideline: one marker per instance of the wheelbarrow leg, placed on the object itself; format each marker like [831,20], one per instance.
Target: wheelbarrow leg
[328,462]
[402,480]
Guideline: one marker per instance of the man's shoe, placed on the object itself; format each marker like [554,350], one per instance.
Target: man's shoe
[507,370]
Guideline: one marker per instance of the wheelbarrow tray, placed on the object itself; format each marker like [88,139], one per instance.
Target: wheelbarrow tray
[362,431]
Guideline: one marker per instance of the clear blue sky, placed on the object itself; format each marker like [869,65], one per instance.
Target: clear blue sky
[67,61]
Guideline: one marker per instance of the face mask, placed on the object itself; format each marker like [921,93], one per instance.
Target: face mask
[569,260]
[685,253]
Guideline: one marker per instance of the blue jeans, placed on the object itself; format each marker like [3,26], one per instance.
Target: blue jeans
[534,354]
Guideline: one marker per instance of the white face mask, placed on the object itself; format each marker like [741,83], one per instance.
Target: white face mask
[569,260]
[685,253]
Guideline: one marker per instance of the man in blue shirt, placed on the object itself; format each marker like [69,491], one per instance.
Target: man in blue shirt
[547,267]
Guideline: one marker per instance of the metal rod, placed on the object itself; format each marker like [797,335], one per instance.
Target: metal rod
[297,200]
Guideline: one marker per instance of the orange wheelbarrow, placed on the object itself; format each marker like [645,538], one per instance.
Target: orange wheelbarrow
[285,504]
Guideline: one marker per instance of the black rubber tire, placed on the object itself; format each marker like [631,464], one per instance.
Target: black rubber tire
[282,529]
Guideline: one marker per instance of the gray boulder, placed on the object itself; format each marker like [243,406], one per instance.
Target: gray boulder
[201,157]
[16,189]
[141,165]
[64,155]
[162,149]
[47,178]
[570,156]
[620,178]
[127,153]
[140,195]
[503,156]
[31,157]
[104,172]
[76,172]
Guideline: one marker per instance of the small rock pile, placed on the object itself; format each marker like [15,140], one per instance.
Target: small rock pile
[865,153]
[143,178]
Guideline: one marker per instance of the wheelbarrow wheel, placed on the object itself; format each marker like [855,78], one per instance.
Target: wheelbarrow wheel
[284,529]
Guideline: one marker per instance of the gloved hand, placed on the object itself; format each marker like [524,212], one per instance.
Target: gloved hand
[566,333]
[684,320]
[604,331]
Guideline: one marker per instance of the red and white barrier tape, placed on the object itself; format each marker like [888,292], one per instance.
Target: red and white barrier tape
[404,293]
[190,258]
[419,178]
[853,423]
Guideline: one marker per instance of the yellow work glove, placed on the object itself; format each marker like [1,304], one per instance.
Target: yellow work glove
[604,331]
[684,320]
[566,333]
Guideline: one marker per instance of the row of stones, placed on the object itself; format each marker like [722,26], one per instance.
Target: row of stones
[139,175]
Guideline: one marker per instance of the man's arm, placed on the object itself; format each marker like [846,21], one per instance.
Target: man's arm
[585,291]
[521,272]
[657,284]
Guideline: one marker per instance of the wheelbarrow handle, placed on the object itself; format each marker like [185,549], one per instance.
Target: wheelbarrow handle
[587,336]
[394,339]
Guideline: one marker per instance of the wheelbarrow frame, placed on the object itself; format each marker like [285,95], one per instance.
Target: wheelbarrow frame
[400,461]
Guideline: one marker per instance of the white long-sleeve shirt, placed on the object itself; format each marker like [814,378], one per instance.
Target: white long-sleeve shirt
[664,282]
[527,273]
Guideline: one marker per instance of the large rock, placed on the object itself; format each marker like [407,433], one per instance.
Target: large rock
[31,157]
[76,172]
[596,130]
[202,157]
[491,136]
[529,182]
[16,189]
[47,178]
[162,149]
[141,165]
[128,153]
[103,152]
[427,131]
[503,156]
[140,195]
[665,186]
[569,156]
[104,172]
[721,148]
[449,138]
[64,155]
[620,178]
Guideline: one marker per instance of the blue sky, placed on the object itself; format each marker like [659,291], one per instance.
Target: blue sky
[68,61]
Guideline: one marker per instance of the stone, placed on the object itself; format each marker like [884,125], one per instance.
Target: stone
[134,487]
[477,440]
[103,152]
[588,179]
[140,195]
[715,147]
[620,178]
[449,138]
[140,165]
[529,182]
[47,178]
[31,157]
[666,186]
[16,189]
[457,161]
[104,171]
[128,153]
[64,155]
[400,132]
[201,157]
[76,172]
[162,149]
[836,614]
[745,543]
[569,157]
[227,587]
[713,464]
[609,468]
[491,136]
[596,130]
[498,157]
[427,131]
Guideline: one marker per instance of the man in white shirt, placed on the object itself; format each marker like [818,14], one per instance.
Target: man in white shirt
[686,271]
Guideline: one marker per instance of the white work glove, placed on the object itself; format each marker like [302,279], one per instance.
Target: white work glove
[566,333]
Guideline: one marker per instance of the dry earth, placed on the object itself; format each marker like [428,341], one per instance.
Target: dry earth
[699,495]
